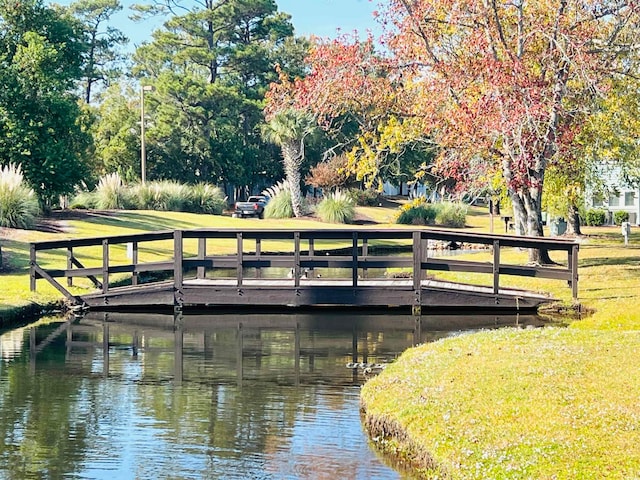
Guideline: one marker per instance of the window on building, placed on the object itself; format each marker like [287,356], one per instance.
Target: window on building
[629,199]
[614,200]
[597,200]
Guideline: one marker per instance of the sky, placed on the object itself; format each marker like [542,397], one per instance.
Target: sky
[323,18]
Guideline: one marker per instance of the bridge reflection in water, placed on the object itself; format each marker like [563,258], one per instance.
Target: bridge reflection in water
[253,395]
[236,345]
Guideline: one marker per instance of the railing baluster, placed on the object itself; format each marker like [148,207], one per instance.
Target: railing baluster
[69,265]
[574,272]
[239,259]
[354,259]
[105,265]
[32,267]
[178,253]
[296,259]
[258,254]
[202,253]
[496,267]
[134,261]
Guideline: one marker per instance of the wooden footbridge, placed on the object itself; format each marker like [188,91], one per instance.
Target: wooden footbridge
[299,268]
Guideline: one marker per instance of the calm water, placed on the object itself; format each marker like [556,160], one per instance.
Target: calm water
[150,396]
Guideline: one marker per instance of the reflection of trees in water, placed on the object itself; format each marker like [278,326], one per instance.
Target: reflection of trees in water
[44,428]
[210,392]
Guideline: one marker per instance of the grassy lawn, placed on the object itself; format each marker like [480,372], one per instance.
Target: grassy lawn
[557,403]
[513,403]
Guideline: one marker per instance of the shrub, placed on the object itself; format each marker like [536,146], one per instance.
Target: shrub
[338,207]
[328,175]
[365,198]
[620,216]
[206,198]
[451,214]
[83,200]
[110,192]
[18,203]
[417,212]
[279,205]
[165,195]
[595,217]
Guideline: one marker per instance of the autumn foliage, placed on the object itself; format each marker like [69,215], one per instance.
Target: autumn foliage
[499,86]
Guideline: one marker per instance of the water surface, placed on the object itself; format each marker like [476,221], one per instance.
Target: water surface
[153,396]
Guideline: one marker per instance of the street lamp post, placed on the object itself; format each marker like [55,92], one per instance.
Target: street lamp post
[143,151]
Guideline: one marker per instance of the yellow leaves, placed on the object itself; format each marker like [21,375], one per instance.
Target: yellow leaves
[373,147]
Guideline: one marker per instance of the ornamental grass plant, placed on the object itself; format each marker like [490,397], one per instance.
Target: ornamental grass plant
[18,203]
[279,205]
[337,207]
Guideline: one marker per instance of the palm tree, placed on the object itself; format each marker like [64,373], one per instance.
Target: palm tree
[288,129]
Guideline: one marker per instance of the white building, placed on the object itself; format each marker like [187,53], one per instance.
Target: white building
[621,197]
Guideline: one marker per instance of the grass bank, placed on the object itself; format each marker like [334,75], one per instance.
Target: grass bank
[557,403]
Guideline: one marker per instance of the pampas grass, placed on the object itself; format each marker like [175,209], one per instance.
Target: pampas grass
[18,203]
[279,205]
[337,207]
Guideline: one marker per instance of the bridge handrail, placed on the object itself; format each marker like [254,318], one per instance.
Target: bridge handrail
[356,256]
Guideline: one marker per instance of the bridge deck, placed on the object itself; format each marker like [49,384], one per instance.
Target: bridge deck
[315,292]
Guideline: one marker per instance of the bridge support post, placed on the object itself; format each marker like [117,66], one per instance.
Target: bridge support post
[417,272]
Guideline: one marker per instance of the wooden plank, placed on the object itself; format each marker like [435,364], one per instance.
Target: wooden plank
[95,241]
[202,253]
[354,259]
[573,266]
[57,286]
[32,267]
[134,260]
[239,258]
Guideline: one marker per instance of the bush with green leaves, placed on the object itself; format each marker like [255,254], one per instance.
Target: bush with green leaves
[338,207]
[83,200]
[620,216]
[417,212]
[365,198]
[453,215]
[595,217]
[166,195]
[18,203]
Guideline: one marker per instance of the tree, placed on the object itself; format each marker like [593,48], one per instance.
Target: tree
[42,125]
[289,129]
[101,58]
[496,85]
[211,65]
[516,80]
[116,133]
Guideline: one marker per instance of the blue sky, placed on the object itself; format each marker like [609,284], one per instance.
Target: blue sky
[323,18]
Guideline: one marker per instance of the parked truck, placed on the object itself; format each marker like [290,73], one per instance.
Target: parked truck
[253,207]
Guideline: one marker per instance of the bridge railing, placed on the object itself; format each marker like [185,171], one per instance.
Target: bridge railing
[195,252]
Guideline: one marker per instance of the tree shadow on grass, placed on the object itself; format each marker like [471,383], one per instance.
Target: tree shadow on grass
[141,221]
[610,261]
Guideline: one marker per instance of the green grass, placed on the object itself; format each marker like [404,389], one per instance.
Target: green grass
[552,403]
[514,404]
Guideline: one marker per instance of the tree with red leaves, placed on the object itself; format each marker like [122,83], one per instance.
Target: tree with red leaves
[499,86]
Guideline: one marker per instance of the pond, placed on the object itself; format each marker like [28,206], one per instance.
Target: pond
[202,396]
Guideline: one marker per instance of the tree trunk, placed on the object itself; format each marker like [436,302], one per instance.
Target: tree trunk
[292,155]
[573,220]
[527,211]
